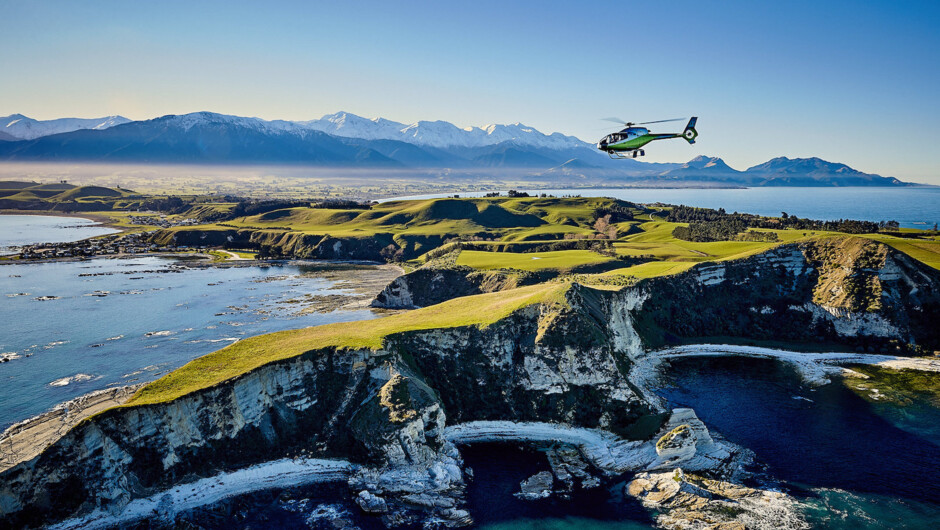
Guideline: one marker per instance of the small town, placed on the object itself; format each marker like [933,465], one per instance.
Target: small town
[110,245]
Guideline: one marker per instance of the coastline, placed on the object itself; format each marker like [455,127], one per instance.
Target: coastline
[26,439]
[814,368]
[269,475]
[101,220]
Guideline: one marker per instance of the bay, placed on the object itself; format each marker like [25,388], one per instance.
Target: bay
[912,207]
[854,464]
[71,327]
[19,230]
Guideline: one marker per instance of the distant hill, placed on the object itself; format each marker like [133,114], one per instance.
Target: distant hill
[780,171]
[347,140]
[704,167]
[19,195]
[783,171]
[86,192]
[16,184]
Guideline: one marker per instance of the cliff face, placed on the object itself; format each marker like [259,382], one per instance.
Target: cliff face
[543,364]
[284,243]
[386,410]
[848,291]
[432,285]
[132,452]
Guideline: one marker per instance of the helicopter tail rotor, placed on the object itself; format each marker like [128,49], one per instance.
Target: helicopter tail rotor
[690,133]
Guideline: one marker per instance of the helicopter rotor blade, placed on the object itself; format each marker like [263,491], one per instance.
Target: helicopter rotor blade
[659,121]
[615,120]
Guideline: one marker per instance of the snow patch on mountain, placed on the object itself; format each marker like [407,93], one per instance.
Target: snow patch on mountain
[440,134]
[352,126]
[25,128]
[200,119]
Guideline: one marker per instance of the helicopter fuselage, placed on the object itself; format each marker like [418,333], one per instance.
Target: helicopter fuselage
[628,142]
[631,138]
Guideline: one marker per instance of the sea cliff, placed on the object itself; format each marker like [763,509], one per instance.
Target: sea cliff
[396,413]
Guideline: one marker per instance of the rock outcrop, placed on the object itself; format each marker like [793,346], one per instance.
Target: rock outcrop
[432,285]
[690,501]
[849,291]
[283,243]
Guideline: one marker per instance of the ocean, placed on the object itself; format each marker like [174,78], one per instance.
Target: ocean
[912,207]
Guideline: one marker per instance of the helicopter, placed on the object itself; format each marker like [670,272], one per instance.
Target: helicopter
[628,142]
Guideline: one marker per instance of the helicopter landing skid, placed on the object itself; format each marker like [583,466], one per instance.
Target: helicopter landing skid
[626,154]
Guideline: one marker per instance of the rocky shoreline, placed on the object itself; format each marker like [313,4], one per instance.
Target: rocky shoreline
[815,369]
[25,440]
[579,458]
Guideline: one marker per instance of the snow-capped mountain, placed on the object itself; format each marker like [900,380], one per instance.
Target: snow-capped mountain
[352,126]
[25,128]
[216,138]
[347,140]
[185,122]
[201,137]
[439,134]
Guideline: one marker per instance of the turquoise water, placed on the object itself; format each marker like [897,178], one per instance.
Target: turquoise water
[911,207]
[123,321]
[18,230]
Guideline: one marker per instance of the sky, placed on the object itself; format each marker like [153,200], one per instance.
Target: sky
[848,81]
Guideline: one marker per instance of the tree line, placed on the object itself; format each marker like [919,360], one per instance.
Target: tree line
[706,224]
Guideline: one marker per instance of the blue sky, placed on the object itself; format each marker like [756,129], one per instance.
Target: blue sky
[855,82]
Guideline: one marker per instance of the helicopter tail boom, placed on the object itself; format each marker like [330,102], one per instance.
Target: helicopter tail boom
[690,133]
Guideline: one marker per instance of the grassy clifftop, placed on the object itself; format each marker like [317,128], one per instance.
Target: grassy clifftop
[524,233]
[249,354]
[517,219]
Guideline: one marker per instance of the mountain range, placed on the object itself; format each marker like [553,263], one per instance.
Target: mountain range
[19,127]
[347,140]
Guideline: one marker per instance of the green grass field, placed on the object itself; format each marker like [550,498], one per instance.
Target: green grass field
[925,251]
[500,217]
[652,269]
[512,227]
[530,261]
[246,355]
